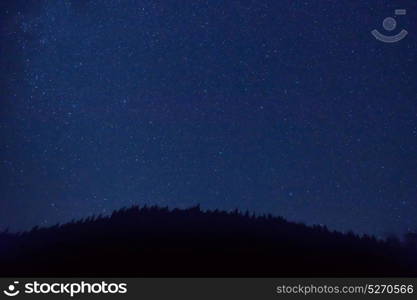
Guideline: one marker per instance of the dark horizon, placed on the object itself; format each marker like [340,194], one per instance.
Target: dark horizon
[400,238]
[157,242]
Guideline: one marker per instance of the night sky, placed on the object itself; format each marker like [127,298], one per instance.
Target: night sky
[285,107]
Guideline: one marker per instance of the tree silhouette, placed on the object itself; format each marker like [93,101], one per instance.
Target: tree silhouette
[153,241]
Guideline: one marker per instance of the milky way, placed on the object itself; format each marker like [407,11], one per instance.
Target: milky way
[283,107]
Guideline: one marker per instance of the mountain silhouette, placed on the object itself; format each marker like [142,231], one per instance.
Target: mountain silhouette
[158,242]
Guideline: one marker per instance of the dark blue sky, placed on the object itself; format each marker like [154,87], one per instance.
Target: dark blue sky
[287,107]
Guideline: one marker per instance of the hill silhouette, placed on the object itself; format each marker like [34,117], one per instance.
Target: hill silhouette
[158,242]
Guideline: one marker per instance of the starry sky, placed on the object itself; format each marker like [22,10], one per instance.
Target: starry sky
[285,107]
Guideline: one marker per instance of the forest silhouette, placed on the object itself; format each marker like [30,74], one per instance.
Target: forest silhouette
[159,242]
